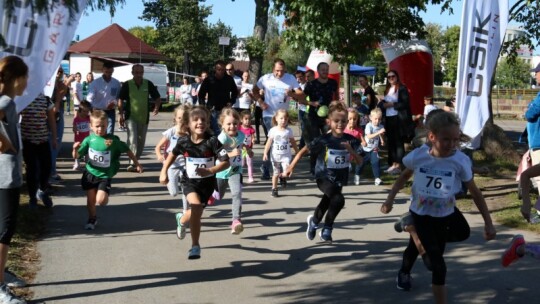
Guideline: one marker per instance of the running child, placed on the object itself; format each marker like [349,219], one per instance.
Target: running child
[247,152]
[232,141]
[333,150]
[438,171]
[354,129]
[200,150]
[280,138]
[81,125]
[374,135]
[103,152]
[518,249]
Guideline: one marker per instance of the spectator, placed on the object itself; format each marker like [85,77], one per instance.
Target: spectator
[77,89]
[103,93]
[86,84]
[185,89]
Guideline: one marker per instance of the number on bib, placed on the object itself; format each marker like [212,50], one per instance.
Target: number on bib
[281,148]
[337,159]
[193,163]
[434,182]
[100,159]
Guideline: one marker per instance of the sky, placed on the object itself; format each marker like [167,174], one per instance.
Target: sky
[238,14]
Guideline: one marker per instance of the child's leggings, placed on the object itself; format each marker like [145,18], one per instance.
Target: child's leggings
[249,161]
[331,203]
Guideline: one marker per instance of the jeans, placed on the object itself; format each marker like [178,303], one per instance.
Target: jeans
[59,135]
[37,158]
[373,158]
[111,120]
[236,193]
[136,137]
[214,122]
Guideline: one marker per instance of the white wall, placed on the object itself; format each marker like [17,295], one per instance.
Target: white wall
[80,63]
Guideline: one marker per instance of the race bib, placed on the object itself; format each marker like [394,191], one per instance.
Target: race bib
[337,159]
[435,183]
[192,163]
[100,159]
[247,140]
[281,147]
[83,127]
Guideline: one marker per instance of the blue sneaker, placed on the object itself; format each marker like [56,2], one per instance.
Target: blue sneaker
[45,198]
[311,228]
[194,253]
[326,234]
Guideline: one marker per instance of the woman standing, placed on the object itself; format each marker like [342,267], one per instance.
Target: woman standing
[86,84]
[398,122]
[185,88]
[13,80]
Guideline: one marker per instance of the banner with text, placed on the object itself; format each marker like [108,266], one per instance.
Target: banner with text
[483,26]
[41,40]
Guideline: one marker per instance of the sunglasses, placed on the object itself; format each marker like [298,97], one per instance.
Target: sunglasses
[391,76]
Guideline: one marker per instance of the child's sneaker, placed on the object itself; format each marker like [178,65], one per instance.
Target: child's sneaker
[378,181]
[180,228]
[275,192]
[91,224]
[45,198]
[357,180]
[326,234]
[311,228]
[76,165]
[510,255]
[237,227]
[403,281]
[404,220]
[250,180]
[194,253]
[7,297]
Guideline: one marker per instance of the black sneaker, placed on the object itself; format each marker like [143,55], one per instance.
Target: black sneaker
[265,175]
[275,192]
[45,198]
[403,281]
[283,182]
[91,224]
[404,220]
[311,228]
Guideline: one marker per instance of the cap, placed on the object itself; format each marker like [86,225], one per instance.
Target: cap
[537,69]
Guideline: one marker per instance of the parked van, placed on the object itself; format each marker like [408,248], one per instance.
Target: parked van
[156,73]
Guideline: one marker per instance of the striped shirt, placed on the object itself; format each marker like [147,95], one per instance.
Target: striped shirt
[34,124]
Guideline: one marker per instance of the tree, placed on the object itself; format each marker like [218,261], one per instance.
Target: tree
[512,74]
[435,40]
[148,34]
[451,42]
[255,45]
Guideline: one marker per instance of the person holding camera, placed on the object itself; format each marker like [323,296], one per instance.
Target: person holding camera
[245,96]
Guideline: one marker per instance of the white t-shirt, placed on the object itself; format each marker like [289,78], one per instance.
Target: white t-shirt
[372,143]
[392,96]
[171,135]
[436,180]
[77,90]
[428,108]
[244,100]
[185,89]
[101,93]
[274,92]
[281,141]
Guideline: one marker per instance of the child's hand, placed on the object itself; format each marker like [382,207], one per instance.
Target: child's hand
[347,145]
[489,232]
[382,131]
[265,157]
[287,173]
[163,179]
[139,168]
[203,171]
[235,152]
[76,145]
[161,158]
[5,146]
[387,207]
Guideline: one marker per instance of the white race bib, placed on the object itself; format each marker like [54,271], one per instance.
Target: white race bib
[337,159]
[281,147]
[100,159]
[192,163]
[436,183]
[247,140]
[244,102]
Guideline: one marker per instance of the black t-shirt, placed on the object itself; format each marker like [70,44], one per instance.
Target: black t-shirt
[332,158]
[220,92]
[323,93]
[370,92]
[203,154]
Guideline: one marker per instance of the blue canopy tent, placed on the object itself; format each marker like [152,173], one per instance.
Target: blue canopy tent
[356,70]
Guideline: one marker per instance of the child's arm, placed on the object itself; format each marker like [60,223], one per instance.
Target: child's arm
[267,148]
[524,181]
[398,185]
[75,152]
[162,142]
[489,229]
[353,153]
[363,140]
[381,137]
[294,145]
[135,161]
[163,178]
[213,170]
[296,159]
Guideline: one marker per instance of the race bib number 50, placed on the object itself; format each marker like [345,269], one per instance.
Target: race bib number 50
[193,163]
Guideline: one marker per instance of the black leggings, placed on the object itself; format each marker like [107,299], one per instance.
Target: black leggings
[37,158]
[258,122]
[332,201]
[396,145]
[434,233]
[9,205]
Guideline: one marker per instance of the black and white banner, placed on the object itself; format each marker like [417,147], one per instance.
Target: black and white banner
[483,26]
[40,40]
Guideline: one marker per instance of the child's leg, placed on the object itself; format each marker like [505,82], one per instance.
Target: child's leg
[276,168]
[374,159]
[236,193]
[249,161]
[221,188]
[194,217]
[336,201]
[525,184]
[172,174]
[102,198]
[409,256]
[91,202]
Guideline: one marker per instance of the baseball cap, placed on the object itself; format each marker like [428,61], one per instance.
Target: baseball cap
[537,69]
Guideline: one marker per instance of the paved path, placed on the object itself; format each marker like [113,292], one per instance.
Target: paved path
[133,256]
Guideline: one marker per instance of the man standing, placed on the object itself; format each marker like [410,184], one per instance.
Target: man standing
[229,69]
[103,93]
[302,108]
[221,90]
[134,109]
[278,87]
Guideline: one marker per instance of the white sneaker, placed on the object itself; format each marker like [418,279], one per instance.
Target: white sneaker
[357,180]
[378,181]
[6,297]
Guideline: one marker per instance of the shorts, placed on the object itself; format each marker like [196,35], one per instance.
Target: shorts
[203,189]
[280,163]
[90,181]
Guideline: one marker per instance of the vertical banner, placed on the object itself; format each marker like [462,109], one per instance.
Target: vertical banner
[40,40]
[483,26]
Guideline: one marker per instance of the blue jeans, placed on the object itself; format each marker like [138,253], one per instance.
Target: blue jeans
[214,122]
[59,135]
[111,120]
[373,158]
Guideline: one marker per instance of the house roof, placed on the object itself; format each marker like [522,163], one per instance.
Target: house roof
[115,42]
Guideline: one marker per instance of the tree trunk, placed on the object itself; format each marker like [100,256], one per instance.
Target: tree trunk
[259,32]
[346,84]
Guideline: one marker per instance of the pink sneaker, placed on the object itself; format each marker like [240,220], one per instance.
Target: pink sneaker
[213,198]
[510,255]
[237,227]
[250,180]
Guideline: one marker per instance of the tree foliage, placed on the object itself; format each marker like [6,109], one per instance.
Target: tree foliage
[451,53]
[148,34]
[512,74]
[435,40]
